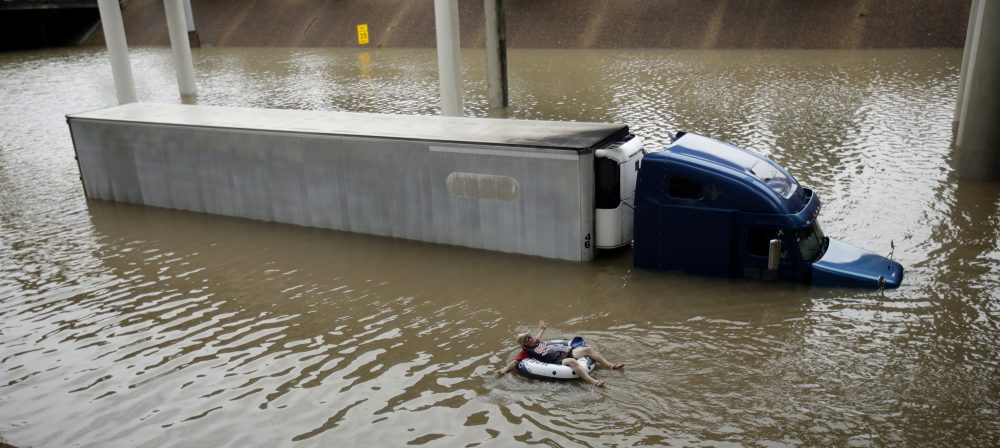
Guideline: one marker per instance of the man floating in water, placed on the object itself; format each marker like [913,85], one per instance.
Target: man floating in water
[533,347]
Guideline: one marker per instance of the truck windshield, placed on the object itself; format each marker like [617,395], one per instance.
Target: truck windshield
[811,241]
[774,179]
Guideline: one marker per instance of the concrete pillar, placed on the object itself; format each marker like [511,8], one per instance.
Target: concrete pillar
[449,56]
[181,47]
[114,36]
[969,30]
[496,53]
[977,142]
[192,32]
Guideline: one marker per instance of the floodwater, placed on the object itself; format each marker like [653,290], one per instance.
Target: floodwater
[124,325]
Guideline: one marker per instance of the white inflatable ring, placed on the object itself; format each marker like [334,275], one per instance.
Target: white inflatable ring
[543,370]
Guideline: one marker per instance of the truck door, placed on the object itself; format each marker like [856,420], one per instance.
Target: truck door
[755,243]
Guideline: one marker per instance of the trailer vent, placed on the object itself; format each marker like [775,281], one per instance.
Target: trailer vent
[483,186]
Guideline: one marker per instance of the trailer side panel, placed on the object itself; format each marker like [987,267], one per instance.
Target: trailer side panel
[533,201]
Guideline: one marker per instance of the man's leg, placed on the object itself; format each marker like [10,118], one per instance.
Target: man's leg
[587,351]
[581,372]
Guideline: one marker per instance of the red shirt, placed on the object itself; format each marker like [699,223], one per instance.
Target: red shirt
[521,356]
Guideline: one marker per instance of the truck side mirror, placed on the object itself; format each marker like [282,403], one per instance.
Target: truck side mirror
[774,255]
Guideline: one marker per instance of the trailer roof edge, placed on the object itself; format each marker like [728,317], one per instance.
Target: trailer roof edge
[508,132]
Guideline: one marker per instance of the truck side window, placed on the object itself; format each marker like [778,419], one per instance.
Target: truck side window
[608,194]
[758,239]
[683,188]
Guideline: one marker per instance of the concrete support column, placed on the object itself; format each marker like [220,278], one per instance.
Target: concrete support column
[496,53]
[192,32]
[969,30]
[181,47]
[449,56]
[114,36]
[977,142]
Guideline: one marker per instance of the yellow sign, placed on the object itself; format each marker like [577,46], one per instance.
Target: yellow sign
[363,34]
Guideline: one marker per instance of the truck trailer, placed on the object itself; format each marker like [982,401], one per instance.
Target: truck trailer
[551,189]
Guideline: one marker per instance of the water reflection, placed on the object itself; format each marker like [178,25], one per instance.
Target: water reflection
[149,327]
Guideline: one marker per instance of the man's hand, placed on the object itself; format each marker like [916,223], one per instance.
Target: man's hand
[541,329]
[506,368]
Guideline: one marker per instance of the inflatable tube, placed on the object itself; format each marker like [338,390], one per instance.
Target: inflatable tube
[546,371]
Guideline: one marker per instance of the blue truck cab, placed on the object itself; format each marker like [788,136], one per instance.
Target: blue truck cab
[708,207]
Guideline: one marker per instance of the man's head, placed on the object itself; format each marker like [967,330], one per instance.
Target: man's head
[525,340]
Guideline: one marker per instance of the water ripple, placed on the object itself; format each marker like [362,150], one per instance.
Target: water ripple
[147,327]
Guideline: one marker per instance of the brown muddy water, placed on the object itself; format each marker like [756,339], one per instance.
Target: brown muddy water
[123,325]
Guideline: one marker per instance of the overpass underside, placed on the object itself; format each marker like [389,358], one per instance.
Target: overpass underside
[569,23]
[26,24]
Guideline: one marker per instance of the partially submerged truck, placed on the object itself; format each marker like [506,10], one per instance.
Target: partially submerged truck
[708,207]
[552,189]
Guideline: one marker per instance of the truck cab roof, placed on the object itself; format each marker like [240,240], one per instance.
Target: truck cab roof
[734,177]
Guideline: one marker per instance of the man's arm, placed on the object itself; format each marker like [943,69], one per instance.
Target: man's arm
[541,329]
[507,368]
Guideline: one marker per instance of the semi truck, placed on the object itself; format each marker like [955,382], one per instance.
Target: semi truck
[559,190]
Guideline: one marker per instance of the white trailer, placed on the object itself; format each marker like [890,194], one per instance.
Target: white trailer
[550,189]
